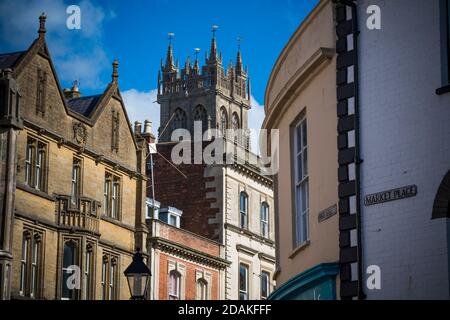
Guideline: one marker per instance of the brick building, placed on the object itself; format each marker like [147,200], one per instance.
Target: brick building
[228,203]
[73,183]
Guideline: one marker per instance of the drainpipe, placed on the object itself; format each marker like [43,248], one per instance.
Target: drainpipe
[358,160]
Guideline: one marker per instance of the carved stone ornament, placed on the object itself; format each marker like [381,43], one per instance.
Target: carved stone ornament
[79,133]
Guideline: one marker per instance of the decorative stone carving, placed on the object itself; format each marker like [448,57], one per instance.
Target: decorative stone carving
[80,133]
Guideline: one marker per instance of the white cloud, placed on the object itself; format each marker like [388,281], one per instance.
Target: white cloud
[255,120]
[141,106]
[78,54]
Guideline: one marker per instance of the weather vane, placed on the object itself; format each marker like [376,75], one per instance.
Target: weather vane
[239,41]
[214,30]
[170,35]
[197,50]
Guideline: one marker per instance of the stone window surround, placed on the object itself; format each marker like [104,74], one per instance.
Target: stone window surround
[201,274]
[181,269]
[34,236]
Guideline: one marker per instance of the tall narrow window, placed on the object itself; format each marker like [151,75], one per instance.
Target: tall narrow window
[300,159]
[179,120]
[24,263]
[69,260]
[265,220]
[88,273]
[201,115]
[29,163]
[174,285]
[243,282]
[35,161]
[111,196]
[202,289]
[34,267]
[76,181]
[104,273]
[235,125]
[223,121]
[265,285]
[29,264]
[243,210]
[115,200]
[109,277]
[112,279]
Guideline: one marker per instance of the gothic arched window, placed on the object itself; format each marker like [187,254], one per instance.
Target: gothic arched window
[179,119]
[223,120]
[200,114]
[235,124]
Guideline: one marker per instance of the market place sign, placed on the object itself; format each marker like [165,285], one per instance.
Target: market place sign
[391,195]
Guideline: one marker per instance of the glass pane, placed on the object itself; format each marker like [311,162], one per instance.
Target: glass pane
[299,168]
[303,197]
[305,163]
[243,278]
[304,227]
[298,139]
[69,255]
[304,134]
[264,285]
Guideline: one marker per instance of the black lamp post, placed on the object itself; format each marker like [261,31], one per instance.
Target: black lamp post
[138,275]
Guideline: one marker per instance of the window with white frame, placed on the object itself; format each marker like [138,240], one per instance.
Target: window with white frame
[265,220]
[174,285]
[243,282]
[111,196]
[202,289]
[243,210]
[109,277]
[35,161]
[265,285]
[76,181]
[30,264]
[300,161]
[88,273]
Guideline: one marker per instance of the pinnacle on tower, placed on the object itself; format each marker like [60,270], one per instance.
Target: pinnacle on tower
[213,56]
[169,57]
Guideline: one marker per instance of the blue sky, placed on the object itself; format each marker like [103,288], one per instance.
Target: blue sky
[135,32]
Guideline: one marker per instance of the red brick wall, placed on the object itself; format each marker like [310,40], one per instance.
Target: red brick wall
[187,194]
[186,238]
[189,280]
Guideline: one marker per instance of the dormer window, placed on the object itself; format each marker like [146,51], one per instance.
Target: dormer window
[152,209]
[171,216]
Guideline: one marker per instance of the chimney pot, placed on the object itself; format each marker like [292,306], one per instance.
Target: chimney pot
[137,127]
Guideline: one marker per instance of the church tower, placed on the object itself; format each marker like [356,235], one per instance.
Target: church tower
[217,97]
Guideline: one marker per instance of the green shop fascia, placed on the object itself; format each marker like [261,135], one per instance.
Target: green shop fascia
[317,283]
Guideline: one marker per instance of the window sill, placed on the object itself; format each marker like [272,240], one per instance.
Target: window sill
[299,249]
[38,193]
[443,90]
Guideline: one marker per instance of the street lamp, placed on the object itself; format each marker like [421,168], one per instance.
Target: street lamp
[137,275]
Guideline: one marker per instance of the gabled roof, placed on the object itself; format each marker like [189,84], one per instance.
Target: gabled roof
[8,60]
[84,109]
[83,105]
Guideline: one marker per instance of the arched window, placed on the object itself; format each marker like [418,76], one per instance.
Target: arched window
[235,123]
[243,210]
[223,120]
[265,220]
[69,260]
[202,289]
[200,114]
[174,285]
[179,120]
[441,205]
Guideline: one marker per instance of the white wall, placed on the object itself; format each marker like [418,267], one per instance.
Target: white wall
[405,139]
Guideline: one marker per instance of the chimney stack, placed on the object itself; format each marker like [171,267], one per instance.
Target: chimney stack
[137,128]
[147,134]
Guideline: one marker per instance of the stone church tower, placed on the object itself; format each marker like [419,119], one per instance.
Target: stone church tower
[231,203]
[219,98]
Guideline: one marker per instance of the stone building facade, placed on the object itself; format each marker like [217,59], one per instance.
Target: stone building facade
[231,203]
[74,181]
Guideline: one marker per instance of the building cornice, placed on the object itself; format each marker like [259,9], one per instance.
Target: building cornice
[294,85]
[188,252]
